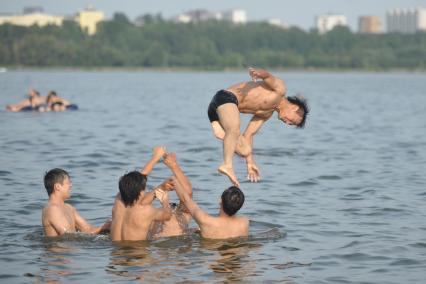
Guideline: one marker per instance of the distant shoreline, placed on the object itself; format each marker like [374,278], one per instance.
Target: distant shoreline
[188,69]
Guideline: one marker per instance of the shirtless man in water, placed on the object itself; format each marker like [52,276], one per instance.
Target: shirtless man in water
[58,217]
[34,100]
[133,213]
[260,97]
[224,226]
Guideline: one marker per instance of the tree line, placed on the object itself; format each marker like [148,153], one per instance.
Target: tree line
[206,45]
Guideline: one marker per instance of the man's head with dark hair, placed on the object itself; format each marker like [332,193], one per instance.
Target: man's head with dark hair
[232,200]
[294,112]
[50,96]
[131,185]
[53,177]
[303,108]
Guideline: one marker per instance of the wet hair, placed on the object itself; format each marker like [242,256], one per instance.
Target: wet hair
[232,200]
[57,104]
[303,105]
[51,95]
[131,185]
[53,177]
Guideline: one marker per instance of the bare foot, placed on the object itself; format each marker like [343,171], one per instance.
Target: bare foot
[229,171]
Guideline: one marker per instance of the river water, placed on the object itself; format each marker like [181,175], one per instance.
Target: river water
[341,201]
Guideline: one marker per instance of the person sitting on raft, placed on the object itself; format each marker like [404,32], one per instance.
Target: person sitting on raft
[33,102]
[56,103]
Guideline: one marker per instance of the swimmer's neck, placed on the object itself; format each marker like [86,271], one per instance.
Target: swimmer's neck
[223,215]
[56,199]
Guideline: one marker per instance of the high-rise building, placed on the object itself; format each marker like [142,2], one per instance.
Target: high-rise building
[326,23]
[88,19]
[369,24]
[406,21]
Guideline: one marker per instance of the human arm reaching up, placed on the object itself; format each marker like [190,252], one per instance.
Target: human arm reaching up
[196,212]
[253,173]
[270,80]
[157,153]
[171,162]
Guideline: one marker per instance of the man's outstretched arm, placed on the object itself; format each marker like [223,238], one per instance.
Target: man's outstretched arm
[157,153]
[83,226]
[253,173]
[196,212]
[170,161]
[270,80]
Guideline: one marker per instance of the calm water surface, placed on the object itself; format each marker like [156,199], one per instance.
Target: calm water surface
[342,201]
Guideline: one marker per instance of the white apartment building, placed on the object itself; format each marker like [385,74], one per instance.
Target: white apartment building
[406,21]
[30,19]
[234,16]
[325,23]
[237,16]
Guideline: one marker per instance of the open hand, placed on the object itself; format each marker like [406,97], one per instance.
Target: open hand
[107,226]
[253,173]
[161,194]
[167,185]
[158,152]
[257,74]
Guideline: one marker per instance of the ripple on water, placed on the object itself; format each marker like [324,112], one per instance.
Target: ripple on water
[358,256]
[201,149]
[406,262]
[4,173]
[304,183]
[329,177]
[290,264]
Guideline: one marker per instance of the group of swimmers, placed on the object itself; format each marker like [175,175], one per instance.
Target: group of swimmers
[36,102]
[134,217]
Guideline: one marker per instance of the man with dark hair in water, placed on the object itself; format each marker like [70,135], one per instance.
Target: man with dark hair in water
[133,213]
[58,217]
[260,97]
[227,224]
[56,103]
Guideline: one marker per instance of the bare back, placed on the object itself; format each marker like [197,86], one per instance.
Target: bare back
[176,226]
[256,98]
[224,227]
[58,219]
[131,223]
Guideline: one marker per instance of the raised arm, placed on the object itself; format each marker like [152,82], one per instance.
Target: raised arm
[157,153]
[270,80]
[196,212]
[171,162]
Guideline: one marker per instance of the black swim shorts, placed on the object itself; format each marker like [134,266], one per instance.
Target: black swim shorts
[221,97]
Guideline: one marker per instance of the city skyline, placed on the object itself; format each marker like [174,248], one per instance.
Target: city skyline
[301,14]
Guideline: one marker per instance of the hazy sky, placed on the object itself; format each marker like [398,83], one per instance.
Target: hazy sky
[300,12]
